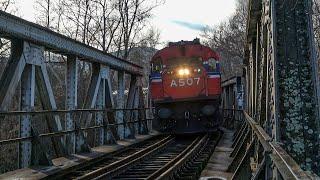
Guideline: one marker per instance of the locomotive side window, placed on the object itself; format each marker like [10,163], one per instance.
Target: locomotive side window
[211,64]
[156,66]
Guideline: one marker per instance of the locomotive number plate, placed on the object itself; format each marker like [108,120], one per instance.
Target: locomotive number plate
[185,82]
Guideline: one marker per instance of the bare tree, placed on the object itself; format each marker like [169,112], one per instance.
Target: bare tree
[228,39]
[133,14]
[316,21]
[44,9]
[150,39]
[107,23]
[7,6]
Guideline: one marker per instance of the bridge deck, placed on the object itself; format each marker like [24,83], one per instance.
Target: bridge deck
[219,161]
[64,163]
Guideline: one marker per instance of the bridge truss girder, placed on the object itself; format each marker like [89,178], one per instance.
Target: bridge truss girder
[27,67]
[282,82]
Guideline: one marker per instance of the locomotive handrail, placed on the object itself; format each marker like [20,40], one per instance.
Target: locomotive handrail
[284,163]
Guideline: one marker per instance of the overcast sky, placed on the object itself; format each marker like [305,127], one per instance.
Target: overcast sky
[176,19]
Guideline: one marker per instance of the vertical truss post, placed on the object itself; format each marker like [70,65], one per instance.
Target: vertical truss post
[247,95]
[135,113]
[143,124]
[120,103]
[110,134]
[100,104]
[149,112]
[71,101]
[92,93]
[130,105]
[252,62]
[257,61]
[27,104]
[295,84]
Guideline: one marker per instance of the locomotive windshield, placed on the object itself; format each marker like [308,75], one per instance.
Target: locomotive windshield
[173,63]
[210,65]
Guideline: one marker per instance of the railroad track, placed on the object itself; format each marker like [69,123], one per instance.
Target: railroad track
[170,157]
[80,171]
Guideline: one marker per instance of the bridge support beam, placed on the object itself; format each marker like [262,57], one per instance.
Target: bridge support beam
[130,129]
[120,104]
[283,75]
[27,104]
[27,69]
[26,65]
[143,124]
[100,96]
[71,103]
[105,101]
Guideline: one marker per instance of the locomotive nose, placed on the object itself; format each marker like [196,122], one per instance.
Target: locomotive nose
[208,110]
[164,113]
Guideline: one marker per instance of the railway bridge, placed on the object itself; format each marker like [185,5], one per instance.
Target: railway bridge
[271,113]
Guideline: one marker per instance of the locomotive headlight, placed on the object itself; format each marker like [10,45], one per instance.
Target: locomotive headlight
[186,71]
[183,72]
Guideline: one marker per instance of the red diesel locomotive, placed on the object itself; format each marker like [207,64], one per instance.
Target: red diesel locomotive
[185,88]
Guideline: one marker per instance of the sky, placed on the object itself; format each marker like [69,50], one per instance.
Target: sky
[175,19]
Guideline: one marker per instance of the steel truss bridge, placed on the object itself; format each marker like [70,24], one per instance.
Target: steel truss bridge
[273,108]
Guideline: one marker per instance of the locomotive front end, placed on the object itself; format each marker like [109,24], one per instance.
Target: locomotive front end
[185,88]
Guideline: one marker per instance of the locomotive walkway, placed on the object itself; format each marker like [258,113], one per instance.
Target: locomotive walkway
[272,134]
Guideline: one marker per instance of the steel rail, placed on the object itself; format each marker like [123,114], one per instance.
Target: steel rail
[121,165]
[13,27]
[167,169]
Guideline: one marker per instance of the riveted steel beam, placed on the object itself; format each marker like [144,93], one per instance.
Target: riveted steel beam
[15,27]
[71,101]
[295,83]
[286,79]
[130,104]
[120,103]
[27,104]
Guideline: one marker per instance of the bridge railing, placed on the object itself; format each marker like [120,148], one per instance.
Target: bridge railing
[100,131]
[255,154]
[92,77]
